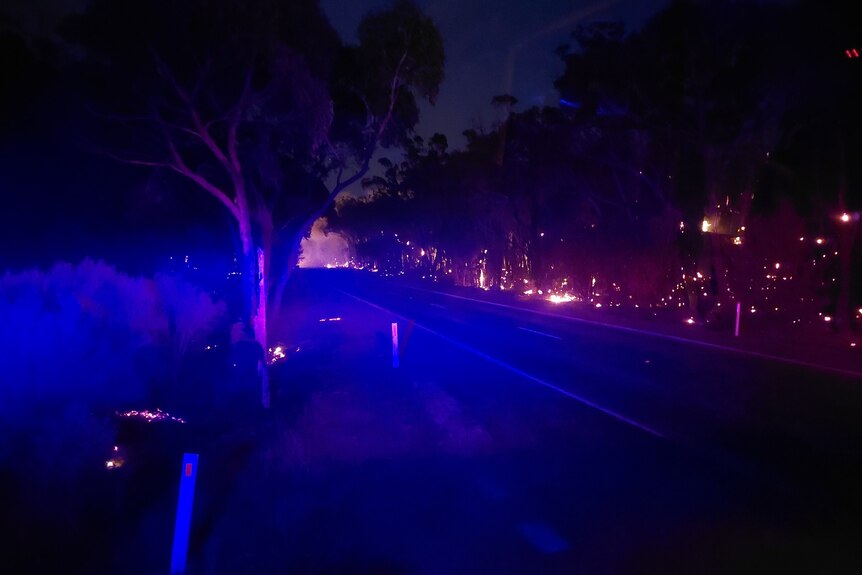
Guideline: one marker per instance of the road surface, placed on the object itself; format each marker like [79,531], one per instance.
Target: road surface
[514,442]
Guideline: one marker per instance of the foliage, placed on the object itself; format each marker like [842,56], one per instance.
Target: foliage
[71,334]
[707,113]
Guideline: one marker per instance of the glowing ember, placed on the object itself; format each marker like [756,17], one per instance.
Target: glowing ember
[705,226]
[827,318]
[116,461]
[819,241]
[150,416]
[528,292]
[845,217]
[277,354]
[689,321]
[598,305]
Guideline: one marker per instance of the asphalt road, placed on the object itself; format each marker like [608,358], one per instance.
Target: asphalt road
[514,442]
[786,435]
[702,396]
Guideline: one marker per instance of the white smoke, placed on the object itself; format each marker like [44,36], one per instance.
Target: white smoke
[322,249]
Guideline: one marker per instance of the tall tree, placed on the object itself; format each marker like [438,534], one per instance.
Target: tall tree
[257,104]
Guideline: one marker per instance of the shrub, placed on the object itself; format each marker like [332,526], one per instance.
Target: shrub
[72,340]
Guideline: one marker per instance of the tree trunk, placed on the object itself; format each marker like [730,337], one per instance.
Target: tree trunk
[287,271]
[254,282]
[260,329]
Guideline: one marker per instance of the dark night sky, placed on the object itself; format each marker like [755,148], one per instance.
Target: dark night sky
[479,36]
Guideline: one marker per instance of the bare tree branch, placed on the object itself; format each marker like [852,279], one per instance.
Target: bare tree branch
[137,162]
[180,167]
[233,129]
[200,130]
[393,90]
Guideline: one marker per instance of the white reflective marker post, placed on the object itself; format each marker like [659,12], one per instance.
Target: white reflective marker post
[188,474]
[738,312]
[394,344]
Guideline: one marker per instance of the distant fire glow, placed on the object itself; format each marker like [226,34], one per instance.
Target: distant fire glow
[554,298]
[151,416]
[705,226]
[323,248]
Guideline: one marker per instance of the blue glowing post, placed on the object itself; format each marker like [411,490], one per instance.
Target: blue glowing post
[394,344]
[188,474]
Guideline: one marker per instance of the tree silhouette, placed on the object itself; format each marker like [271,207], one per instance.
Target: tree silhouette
[259,105]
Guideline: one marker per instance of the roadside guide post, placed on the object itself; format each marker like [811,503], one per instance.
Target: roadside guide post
[738,313]
[394,344]
[188,474]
